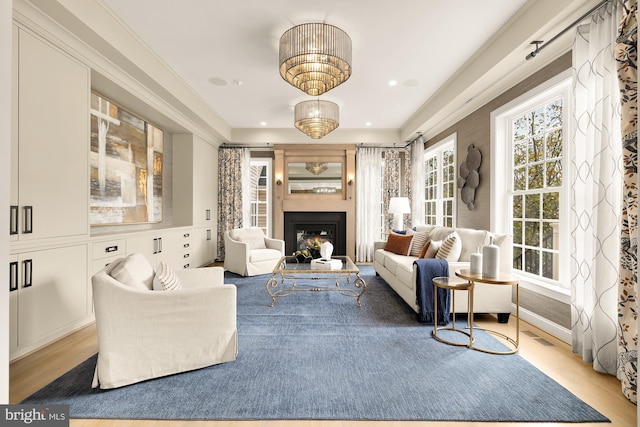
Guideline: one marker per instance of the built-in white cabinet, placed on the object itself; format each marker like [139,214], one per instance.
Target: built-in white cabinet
[204,246]
[49,148]
[48,295]
[195,165]
[171,246]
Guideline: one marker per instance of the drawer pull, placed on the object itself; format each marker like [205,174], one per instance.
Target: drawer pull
[28,219]
[185,235]
[27,271]
[186,266]
[186,245]
[13,276]
[111,248]
[208,234]
[13,220]
[185,256]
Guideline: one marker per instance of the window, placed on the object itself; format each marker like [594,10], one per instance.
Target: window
[261,194]
[439,183]
[530,136]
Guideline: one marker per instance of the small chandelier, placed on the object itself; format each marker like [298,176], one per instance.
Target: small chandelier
[315,57]
[316,118]
[316,168]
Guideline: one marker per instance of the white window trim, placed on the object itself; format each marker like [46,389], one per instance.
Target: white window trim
[501,161]
[267,161]
[428,152]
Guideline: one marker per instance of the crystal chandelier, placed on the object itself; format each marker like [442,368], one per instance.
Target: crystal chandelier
[316,118]
[316,168]
[315,57]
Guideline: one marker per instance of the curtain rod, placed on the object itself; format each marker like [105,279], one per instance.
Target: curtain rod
[541,45]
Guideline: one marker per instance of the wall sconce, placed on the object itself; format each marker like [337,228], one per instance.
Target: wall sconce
[278,179]
[350,180]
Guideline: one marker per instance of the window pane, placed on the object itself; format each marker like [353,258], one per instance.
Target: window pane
[532,206]
[548,237]
[548,269]
[532,261]
[554,144]
[551,205]
[554,173]
[517,258]
[536,149]
[536,176]
[538,121]
[532,233]
[517,232]
[517,206]
[554,114]
[522,128]
[520,153]
[519,179]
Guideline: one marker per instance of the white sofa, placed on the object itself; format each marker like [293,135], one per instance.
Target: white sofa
[400,273]
[144,334]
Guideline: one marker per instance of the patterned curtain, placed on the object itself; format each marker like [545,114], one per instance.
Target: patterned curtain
[626,55]
[368,200]
[390,182]
[596,179]
[229,193]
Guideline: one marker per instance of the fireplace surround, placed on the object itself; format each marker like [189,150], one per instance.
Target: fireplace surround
[303,228]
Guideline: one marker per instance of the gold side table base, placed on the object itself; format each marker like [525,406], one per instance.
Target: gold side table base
[447,283]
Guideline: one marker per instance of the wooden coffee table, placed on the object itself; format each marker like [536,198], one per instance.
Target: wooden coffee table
[289,271]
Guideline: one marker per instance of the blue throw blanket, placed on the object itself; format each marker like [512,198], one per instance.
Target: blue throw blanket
[427,269]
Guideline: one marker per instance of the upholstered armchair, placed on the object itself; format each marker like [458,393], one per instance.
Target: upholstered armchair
[145,333]
[249,252]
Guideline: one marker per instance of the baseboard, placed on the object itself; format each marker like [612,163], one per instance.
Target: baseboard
[549,327]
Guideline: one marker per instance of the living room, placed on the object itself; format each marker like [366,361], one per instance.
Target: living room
[120,67]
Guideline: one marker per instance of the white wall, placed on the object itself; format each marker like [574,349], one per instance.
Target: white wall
[6,8]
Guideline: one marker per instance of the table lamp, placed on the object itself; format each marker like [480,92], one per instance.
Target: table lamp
[398,206]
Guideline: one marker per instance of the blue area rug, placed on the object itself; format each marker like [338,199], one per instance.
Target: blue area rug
[318,356]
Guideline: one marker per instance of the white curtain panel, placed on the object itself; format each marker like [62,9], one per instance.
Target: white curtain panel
[417,181]
[368,201]
[596,178]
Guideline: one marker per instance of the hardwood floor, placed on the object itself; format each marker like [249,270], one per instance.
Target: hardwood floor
[549,354]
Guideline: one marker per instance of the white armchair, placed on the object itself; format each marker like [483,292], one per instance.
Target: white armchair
[249,252]
[144,334]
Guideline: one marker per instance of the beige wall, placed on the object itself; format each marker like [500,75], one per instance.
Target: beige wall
[476,129]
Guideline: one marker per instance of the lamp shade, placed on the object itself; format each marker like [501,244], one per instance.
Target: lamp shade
[316,118]
[315,57]
[399,205]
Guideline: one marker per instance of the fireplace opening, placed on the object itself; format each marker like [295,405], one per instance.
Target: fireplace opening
[303,229]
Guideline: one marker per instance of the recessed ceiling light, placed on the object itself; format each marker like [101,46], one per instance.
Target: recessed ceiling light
[217,81]
[263,123]
[368,124]
[392,82]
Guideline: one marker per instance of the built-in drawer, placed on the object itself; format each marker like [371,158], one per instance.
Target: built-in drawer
[110,248]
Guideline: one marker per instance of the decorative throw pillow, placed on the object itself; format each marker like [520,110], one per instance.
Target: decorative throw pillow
[134,271]
[166,279]
[418,242]
[424,250]
[451,248]
[433,248]
[398,244]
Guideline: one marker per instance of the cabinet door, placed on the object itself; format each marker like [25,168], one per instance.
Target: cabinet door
[14,278]
[205,166]
[53,134]
[52,292]
[13,179]
[146,245]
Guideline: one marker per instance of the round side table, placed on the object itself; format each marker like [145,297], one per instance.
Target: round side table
[455,285]
[503,279]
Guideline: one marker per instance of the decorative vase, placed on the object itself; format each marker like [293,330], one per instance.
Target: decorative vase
[490,259]
[326,249]
[476,262]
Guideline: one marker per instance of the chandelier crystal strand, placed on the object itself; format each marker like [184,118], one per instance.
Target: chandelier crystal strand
[315,57]
[316,118]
